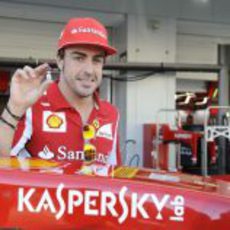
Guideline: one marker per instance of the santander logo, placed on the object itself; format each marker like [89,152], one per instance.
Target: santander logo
[63,153]
[46,153]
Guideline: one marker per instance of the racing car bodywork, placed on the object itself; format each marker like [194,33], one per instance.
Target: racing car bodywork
[39,194]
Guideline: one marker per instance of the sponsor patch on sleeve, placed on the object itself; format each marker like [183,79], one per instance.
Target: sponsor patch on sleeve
[105,131]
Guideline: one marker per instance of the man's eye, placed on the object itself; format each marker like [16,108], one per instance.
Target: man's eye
[78,58]
[98,60]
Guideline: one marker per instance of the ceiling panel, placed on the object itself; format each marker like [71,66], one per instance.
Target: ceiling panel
[199,10]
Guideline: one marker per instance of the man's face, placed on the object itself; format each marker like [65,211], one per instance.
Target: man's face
[81,69]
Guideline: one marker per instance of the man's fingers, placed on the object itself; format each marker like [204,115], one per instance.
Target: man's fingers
[29,71]
[44,85]
[41,70]
[20,74]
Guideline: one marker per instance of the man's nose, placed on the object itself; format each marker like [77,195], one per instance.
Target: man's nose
[89,69]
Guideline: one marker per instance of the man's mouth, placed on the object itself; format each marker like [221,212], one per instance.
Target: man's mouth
[86,80]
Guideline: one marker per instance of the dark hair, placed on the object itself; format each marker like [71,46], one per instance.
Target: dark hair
[61,53]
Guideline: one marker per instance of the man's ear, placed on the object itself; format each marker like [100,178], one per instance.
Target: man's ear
[60,62]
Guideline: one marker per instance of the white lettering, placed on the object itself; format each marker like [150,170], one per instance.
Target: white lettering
[138,205]
[159,204]
[75,200]
[91,202]
[178,204]
[45,203]
[24,199]
[88,30]
[123,204]
[79,155]
[60,201]
[106,204]
[71,155]
[63,154]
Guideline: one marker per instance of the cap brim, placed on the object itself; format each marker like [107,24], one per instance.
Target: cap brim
[109,50]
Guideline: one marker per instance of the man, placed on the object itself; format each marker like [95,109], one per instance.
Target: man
[64,120]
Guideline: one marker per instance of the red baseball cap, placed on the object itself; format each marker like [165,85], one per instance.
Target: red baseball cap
[85,31]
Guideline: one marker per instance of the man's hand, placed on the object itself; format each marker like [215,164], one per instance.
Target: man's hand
[27,86]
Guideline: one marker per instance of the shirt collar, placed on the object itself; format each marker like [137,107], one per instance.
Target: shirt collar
[56,98]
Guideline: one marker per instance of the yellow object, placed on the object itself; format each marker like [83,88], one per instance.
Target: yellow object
[89,151]
[125,172]
[54,121]
[88,132]
[26,163]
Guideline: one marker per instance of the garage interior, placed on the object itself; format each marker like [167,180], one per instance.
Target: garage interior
[170,79]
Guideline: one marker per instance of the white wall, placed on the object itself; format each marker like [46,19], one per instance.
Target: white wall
[28,39]
[151,39]
[147,39]
[197,42]
[196,49]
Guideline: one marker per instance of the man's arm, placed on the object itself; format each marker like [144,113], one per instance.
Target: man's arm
[7,129]
[27,85]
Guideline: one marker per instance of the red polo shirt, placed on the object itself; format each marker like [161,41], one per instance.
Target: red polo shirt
[52,129]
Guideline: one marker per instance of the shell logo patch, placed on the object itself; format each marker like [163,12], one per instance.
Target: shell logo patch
[54,122]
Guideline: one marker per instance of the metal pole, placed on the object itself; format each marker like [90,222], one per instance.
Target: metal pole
[223,100]
[204,153]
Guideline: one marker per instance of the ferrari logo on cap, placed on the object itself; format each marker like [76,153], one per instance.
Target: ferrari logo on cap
[54,122]
[91,30]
